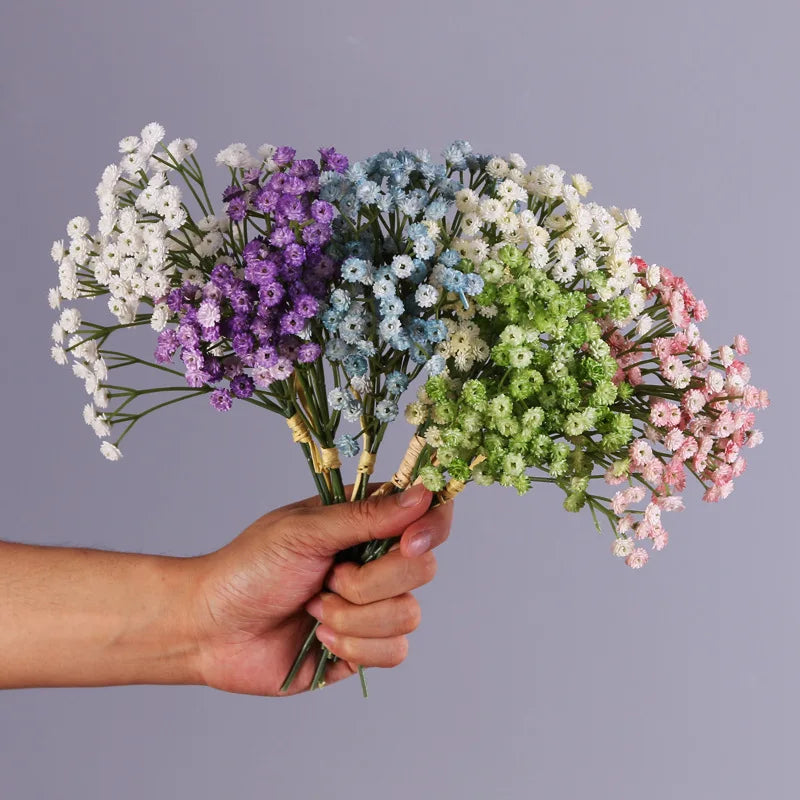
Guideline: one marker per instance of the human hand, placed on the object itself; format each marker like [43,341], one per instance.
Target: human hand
[251,603]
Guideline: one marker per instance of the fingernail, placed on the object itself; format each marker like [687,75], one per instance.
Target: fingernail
[420,542]
[314,607]
[411,496]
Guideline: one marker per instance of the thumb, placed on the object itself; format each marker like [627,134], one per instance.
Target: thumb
[329,529]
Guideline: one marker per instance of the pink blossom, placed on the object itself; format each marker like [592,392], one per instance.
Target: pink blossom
[739,466]
[731,452]
[712,495]
[703,350]
[700,311]
[669,502]
[644,530]
[653,471]
[726,355]
[725,489]
[724,425]
[679,344]
[675,372]
[755,438]
[687,449]
[675,474]
[673,440]
[741,345]
[638,558]
[640,452]
[625,524]
[662,347]
[653,514]
[634,376]
[660,539]
[693,401]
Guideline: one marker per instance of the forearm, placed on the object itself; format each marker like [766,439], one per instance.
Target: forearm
[79,617]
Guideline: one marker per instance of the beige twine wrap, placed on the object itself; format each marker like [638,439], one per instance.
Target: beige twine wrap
[402,477]
[455,487]
[330,459]
[300,433]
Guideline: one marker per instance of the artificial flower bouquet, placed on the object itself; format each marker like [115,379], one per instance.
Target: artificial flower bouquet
[322,289]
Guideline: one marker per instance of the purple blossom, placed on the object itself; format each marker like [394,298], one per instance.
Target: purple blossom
[316,234]
[306,306]
[282,369]
[304,167]
[196,378]
[243,343]
[208,314]
[266,199]
[332,160]
[294,254]
[221,399]
[308,352]
[192,359]
[281,236]
[261,272]
[294,185]
[262,376]
[239,324]
[232,367]
[241,300]
[292,322]
[237,209]
[322,211]
[210,334]
[213,366]
[222,277]
[231,191]
[242,386]
[252,175]
[283,155]
[292,207]
[188,335]
[271,294]
[175,300]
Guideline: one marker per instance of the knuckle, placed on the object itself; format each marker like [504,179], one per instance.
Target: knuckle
[365,515]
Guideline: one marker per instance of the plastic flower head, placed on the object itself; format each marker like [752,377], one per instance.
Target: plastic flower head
[392,235]
[553,372]
[252,314]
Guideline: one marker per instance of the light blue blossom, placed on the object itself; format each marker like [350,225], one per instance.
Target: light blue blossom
[386,410]
[348,445]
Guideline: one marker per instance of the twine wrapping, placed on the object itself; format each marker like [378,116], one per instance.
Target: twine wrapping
[402,477]
[330,459]
[455,487]
[301,435]
[366,463]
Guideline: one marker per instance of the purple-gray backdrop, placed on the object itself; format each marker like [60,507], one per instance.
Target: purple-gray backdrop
[543,667]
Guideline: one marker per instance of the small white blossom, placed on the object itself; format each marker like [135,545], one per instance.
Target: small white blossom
[110,451]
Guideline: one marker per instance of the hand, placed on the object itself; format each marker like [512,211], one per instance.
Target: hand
[251,606]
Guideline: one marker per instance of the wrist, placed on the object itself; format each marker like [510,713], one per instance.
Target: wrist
[172,621]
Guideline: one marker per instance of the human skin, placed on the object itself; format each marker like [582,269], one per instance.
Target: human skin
[233,619]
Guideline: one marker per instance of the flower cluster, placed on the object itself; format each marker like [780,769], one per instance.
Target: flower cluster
[249,322]
[131,258]
[552,369]
[392,234]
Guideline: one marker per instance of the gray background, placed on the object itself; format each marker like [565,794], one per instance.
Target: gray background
[543,667]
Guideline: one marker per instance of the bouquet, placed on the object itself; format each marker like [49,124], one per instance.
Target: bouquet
[544,350]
